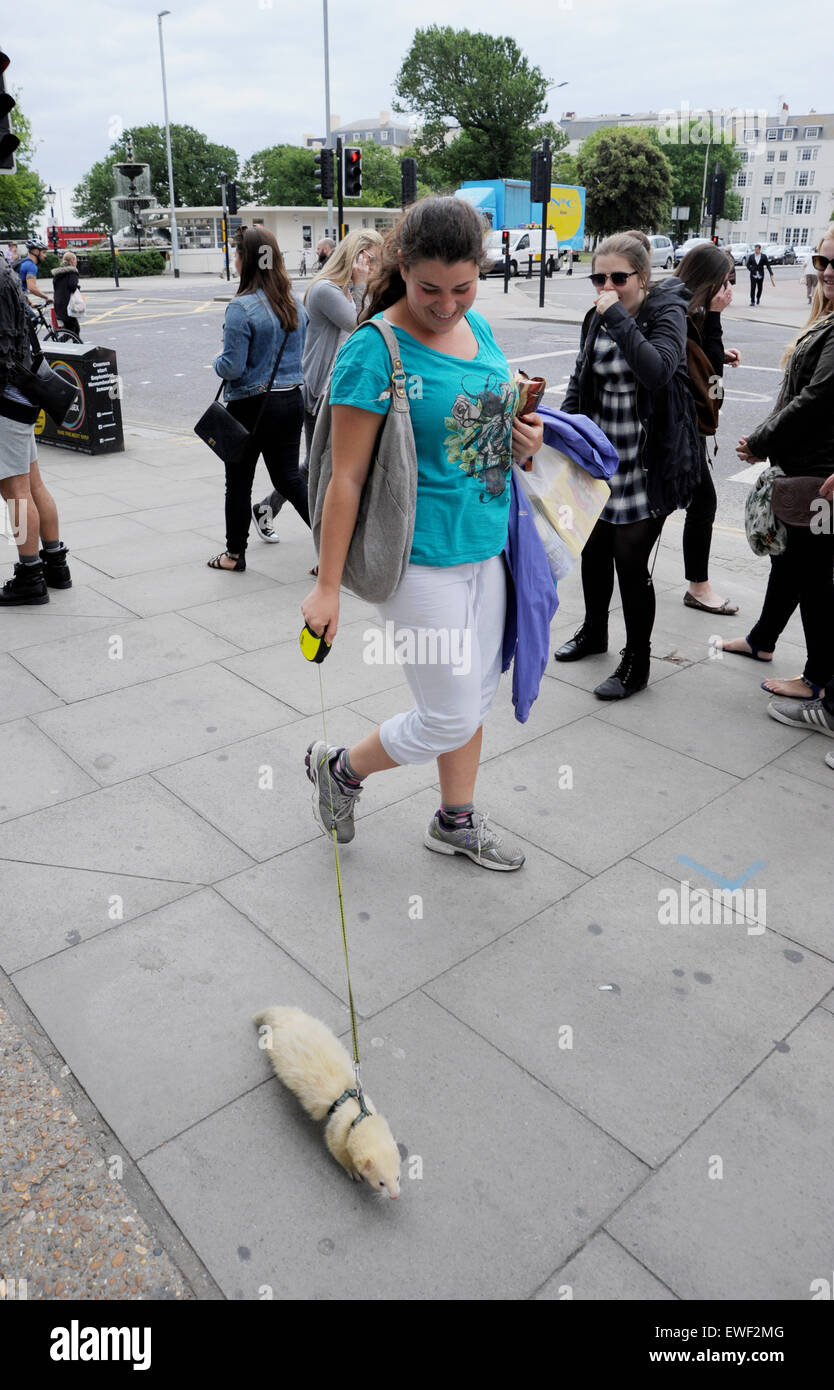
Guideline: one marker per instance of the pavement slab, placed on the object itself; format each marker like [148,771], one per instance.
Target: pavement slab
[291,1222]
[603,1271]
[22,693]
[634,1021]
[35,772]
[179,587]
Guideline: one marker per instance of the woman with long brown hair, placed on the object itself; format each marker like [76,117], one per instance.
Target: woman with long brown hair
[265,325]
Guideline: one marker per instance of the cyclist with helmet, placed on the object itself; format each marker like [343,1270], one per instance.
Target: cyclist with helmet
[28,269]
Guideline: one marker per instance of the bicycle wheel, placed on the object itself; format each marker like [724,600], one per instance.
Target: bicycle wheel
[64,335]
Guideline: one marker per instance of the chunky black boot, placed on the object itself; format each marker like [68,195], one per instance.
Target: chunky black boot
[26,586]
[586,641]
[55,568]
[631,675]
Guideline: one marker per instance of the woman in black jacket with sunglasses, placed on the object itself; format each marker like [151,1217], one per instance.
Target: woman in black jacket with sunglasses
[630,378]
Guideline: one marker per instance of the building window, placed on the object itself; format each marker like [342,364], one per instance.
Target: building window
[803,177]
[741,180]
[780,178]
[764,207]
[774,237]
[777,206]
[383,135]
[813,132]
[803,237]
[789,132]
[771,156]
[783,156]
[744,156]
[771,134]
[768,178]
[306,235]
[746,213]
[788,234]
[751,133]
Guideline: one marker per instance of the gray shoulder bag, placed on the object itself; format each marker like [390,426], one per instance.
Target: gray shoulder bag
[380,547]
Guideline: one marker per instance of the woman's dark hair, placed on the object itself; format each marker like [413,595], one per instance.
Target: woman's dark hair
[634,247]
[704,270]
[435,229]
[262,268]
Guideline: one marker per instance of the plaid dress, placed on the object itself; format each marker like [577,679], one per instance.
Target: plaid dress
[615,411]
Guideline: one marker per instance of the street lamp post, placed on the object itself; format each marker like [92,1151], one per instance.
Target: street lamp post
[175,250]
[50,193]
[327,141]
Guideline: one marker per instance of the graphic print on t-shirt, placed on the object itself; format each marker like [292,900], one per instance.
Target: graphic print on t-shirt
[480,432]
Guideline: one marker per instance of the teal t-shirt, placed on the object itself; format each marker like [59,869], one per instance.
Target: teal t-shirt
[461,413]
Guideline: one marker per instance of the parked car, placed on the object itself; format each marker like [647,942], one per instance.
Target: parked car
[803,254]
[740,250]
[680,251]
[663,252]
[780,255]
[524,243]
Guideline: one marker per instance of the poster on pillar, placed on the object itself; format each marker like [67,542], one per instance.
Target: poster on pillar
[93,423]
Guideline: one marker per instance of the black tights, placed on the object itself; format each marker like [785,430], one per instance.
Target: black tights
[627,548]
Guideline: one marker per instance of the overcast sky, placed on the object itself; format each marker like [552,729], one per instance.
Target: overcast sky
[250,73]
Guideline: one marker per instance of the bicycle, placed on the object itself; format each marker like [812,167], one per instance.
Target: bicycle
[47,328]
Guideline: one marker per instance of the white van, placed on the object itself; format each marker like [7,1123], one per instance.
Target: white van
[524,243]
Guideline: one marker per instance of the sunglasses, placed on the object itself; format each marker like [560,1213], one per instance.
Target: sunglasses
[822,262]
[618,278]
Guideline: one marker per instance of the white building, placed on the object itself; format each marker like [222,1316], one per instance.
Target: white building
[786,184]
[395,133]
[297,230]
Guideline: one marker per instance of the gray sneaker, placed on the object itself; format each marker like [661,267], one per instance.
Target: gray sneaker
[331,803]
[803,714]
[477,842]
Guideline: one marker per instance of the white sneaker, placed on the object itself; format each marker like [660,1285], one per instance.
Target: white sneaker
[262,517]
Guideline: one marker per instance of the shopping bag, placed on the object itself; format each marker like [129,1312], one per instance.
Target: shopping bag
[566,502]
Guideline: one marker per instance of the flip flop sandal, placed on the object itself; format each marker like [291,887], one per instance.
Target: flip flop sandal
[726,609]
[814,691]
[214,562]
[753,654]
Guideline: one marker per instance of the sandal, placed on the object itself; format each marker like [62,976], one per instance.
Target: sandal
[814,691]
[214,562]
[753,653]
[726,609]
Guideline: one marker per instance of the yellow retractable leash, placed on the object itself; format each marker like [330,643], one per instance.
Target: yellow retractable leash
[315,649]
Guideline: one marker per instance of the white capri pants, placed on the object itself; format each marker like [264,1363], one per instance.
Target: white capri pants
[448,631]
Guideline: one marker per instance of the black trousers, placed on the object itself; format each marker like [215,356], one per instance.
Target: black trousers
[625,548]
[756,289]
[276,499]
[278,437]
[697,528]
[803,574]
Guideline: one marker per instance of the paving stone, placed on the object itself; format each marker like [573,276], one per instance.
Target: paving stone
[771,828]
[22,694]
[603,1271]
[179,587]
[34,772]
[405,925]
[807,757]
[194,972]
[138,556]
[81,667]
[657,1036]
[469,1227]
[272,615]
[80,535]
[592,823]
[49,909]
[757,1227]
[136,828]
[128,732]
[179,516]
[26,627]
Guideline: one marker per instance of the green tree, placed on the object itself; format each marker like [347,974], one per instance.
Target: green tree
[282,175]
[22,194]
[628,180]
[486,86]
[686,156]
[196,161]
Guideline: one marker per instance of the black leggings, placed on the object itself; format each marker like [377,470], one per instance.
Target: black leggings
[278,437]
[801,575]
[627,548]
[697,528]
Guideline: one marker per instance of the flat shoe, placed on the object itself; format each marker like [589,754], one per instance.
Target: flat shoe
[214,563]
[814,691]
[753,655]
[727,608]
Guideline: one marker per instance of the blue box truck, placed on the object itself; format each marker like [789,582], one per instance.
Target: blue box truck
[506,203]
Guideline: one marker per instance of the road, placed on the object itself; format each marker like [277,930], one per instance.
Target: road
[166,339]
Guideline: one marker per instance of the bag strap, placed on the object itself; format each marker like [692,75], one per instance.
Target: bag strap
[399,397]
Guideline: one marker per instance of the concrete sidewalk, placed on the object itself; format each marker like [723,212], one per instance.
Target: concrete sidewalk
[601,1083]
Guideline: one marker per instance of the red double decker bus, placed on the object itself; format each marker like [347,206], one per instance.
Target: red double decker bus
[68,238]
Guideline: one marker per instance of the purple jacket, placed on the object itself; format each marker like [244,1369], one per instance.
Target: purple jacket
[531,602]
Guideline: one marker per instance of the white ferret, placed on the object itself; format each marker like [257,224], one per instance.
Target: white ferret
[313,1064]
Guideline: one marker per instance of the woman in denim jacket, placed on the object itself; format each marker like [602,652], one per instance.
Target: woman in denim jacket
[263,313]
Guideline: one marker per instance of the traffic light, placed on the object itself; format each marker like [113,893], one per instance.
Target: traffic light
[326,186]
[505,243]
[409,180]
[717,189]
[539,178]
[231,198]
[352,171]
[8,141]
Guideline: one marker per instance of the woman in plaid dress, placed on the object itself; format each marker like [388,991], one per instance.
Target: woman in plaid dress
[630,379]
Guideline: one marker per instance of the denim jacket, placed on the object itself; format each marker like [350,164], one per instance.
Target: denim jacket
[252,338]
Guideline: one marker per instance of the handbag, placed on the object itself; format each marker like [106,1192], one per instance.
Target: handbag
[765,534]
[46,389]
[380,546]
[222,432]
[797,502]
[76,304]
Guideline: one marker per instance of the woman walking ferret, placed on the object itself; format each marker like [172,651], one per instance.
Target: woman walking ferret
[312,1063]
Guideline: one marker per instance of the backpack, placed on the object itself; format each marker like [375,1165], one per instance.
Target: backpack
[707,388]
[380,546]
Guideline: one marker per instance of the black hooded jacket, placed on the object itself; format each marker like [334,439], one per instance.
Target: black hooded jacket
[15,348]
[653,342]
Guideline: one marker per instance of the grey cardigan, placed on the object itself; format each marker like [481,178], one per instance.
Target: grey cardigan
[332,318]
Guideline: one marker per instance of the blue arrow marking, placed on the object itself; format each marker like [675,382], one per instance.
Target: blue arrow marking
[717,878]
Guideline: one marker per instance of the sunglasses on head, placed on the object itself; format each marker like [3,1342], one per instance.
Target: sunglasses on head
[822,262]
[619,278]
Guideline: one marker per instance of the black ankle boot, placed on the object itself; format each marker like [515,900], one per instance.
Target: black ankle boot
[27,585]
[631,675]
[55,568]
[586,641]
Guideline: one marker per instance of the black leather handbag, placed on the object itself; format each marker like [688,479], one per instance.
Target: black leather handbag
[222,432]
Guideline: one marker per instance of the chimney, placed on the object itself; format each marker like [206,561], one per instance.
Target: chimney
[385,118]
[335,121]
